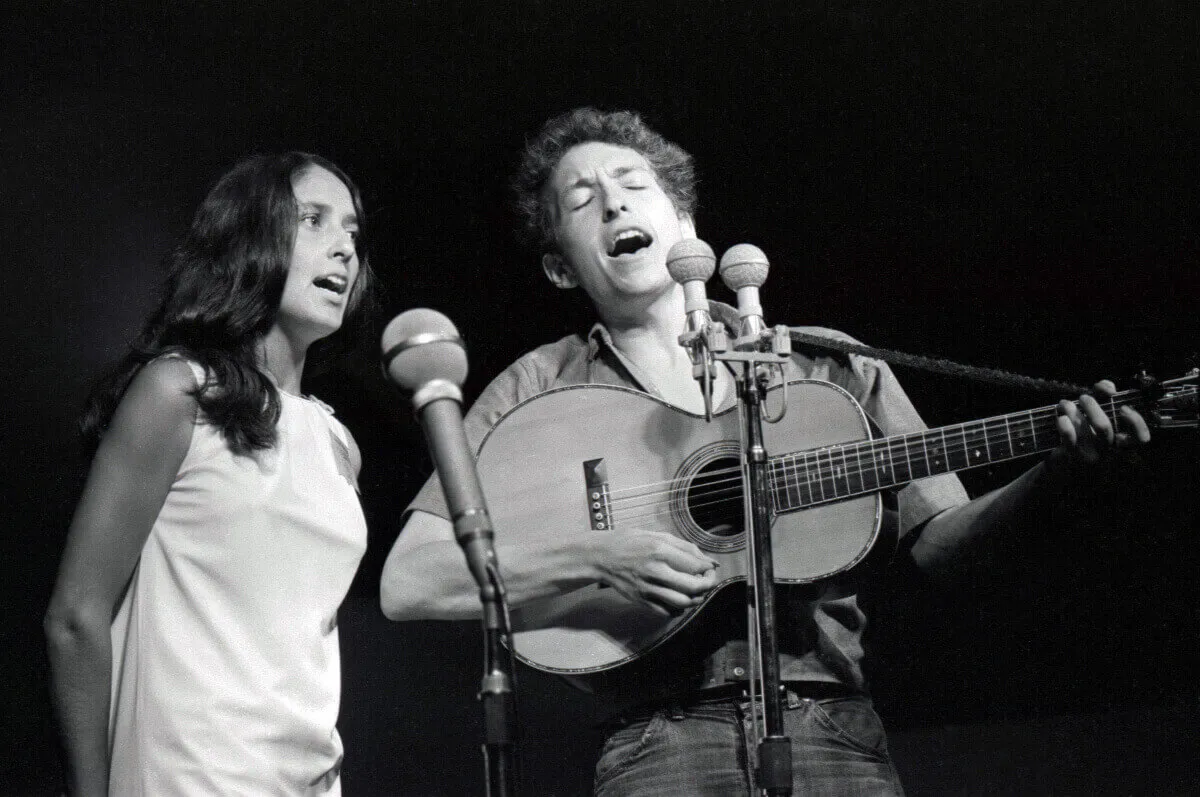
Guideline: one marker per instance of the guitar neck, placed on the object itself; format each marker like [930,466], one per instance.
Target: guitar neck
[806,478]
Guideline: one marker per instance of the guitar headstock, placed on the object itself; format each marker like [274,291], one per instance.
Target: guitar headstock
[1174,403]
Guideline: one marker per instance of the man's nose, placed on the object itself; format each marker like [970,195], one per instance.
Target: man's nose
[614,205]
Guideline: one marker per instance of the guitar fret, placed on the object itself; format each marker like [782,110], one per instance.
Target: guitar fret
[836,475]
[785,500]
[1023,444]
[964,455]
[773,480]
[922,460]
[943,462]
[846,472]
[874,466]
[855,468]
[971,442]
[793,482]
[809,497]
[850,471]
[821,476]
[890,462]
[995,441]
[858,467]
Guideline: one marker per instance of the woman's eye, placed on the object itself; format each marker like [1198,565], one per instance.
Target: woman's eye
[311,219]
[583,204]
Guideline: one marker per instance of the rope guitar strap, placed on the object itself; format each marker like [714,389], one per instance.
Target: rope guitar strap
[937,365]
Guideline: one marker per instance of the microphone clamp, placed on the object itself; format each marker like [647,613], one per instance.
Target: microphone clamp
[436,389]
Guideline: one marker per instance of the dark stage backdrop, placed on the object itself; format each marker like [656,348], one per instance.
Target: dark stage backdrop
[1012,186]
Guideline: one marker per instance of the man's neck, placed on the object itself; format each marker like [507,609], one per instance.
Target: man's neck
[650,334]
[651,341]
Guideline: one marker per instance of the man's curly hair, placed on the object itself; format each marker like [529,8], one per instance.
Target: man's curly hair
[672,165]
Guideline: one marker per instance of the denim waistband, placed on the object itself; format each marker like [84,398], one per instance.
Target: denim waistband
[740,690]
[733,691]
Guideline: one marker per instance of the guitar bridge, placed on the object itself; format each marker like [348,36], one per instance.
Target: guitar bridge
[595,476]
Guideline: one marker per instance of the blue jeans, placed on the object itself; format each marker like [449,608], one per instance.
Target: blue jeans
[705,748]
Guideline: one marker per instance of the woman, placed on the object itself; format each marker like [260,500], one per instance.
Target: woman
[192,631]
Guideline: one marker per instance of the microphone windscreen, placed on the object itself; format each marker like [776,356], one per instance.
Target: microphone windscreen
[691,259]
[744,266]
[420,346]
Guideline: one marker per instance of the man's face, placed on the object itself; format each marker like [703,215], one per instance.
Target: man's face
[613,224]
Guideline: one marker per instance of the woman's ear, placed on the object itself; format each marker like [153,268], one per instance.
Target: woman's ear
[558,272]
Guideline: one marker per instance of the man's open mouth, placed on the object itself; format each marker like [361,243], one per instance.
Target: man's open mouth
[628,242]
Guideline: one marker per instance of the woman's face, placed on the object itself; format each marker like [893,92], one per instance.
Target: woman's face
[324,262]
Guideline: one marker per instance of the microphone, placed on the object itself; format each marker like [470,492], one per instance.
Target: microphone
[691,262]
[743,268]
[424,356]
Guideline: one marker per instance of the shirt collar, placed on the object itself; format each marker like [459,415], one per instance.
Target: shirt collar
[600,336]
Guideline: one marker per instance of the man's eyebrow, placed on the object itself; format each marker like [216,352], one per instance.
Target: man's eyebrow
[624,170]
[618,173]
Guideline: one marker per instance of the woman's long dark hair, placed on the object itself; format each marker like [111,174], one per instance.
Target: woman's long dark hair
[224,285]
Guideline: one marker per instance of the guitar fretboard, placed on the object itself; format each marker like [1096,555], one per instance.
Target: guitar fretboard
[822,475]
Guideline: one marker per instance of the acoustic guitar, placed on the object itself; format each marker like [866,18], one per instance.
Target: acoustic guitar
[610,458]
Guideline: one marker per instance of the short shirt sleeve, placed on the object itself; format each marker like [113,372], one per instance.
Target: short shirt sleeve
[874,385]
[510,388]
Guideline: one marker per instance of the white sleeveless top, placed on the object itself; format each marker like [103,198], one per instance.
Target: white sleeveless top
[226,669]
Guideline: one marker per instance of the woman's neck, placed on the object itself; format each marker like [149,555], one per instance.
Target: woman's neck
[282,360]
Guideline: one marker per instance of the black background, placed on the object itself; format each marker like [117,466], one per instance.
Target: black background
[1011,186]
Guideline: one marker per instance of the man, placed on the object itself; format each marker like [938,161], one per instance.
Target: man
[606,197]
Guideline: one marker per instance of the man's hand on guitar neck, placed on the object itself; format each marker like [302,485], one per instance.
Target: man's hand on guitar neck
[1088,433]
[947,546]
[665,572]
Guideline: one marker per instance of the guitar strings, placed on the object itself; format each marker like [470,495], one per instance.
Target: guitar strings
[806,470]
[1037,420]
[957,446]
[799,460]
[706,496]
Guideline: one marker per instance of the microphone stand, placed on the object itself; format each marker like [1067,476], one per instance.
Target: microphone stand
[755,350]
[473,530]
[497,688]
[423,353]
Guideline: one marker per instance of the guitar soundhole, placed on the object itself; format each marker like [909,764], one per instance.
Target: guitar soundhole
[714,498]
[708,508]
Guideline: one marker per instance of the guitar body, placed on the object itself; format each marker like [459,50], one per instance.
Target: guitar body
[613,459]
